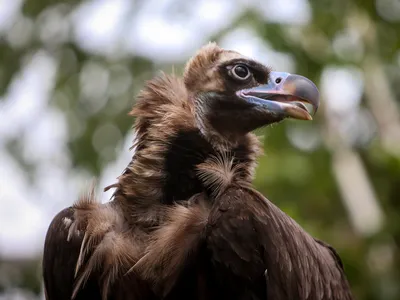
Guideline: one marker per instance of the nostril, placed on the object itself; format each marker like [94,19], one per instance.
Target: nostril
[278,80]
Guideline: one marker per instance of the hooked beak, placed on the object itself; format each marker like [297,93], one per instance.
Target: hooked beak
[286,95]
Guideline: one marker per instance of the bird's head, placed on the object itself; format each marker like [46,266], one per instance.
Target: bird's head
[234,95]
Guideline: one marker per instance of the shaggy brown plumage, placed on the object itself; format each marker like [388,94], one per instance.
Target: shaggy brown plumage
[185,222]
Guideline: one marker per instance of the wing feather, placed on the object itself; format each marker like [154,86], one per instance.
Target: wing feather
[247,235]
[310,269]
[88,250]
[61,252]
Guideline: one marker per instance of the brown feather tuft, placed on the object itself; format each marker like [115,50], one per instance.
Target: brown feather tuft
[107,246]
[203,60]
[173,243]
[218,172]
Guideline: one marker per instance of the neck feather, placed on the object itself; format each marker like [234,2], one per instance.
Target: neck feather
[172,154]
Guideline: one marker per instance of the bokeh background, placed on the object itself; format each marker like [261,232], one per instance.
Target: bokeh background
[70,70]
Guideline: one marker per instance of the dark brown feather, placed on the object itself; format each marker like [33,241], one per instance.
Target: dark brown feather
[88,250]
[184,222]
[173,245]
[247,235]
[59,261]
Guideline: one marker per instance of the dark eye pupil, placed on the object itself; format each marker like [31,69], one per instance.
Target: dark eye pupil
[241,71]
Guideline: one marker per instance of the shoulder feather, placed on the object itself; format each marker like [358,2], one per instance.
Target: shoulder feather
[173,244]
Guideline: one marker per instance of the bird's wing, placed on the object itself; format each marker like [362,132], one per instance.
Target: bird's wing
[246,231]
[60,257]
[87,253]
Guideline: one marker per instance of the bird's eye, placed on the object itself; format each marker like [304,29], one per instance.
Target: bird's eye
[241,72]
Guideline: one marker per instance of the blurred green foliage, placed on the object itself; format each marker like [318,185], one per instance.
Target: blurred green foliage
[301,183]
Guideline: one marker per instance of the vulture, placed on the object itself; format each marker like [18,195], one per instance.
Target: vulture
[184,221]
